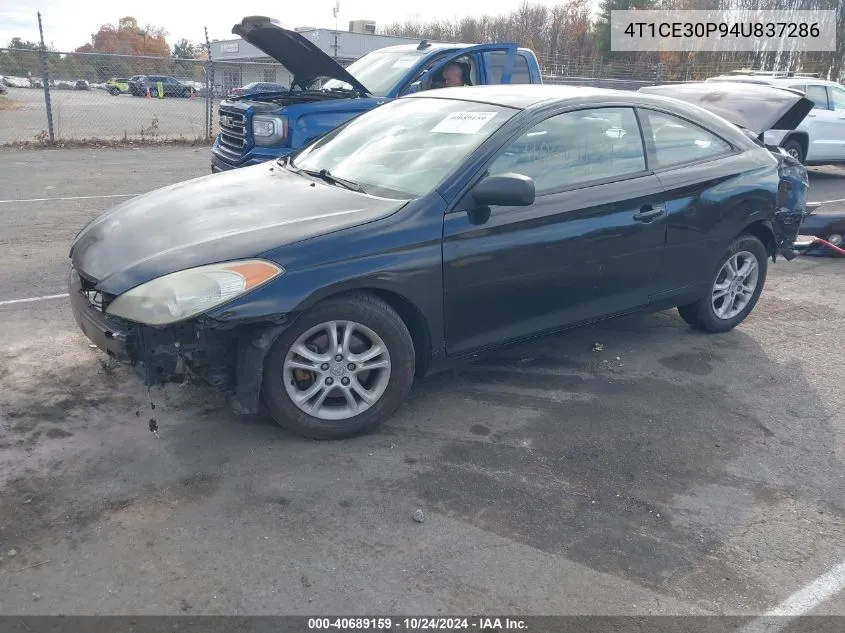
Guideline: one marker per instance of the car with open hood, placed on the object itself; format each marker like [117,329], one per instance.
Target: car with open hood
[255,128]
[428,231]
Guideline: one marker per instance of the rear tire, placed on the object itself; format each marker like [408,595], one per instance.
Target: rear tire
[349,396]
[735,287]
[794,149]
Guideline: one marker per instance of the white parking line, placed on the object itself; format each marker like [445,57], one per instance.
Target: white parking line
[799,603]
[33,299]
[113,195]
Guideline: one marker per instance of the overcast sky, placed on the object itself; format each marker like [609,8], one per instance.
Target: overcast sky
[70,23]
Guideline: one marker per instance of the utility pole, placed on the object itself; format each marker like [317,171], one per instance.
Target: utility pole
[46,79]
[335,10]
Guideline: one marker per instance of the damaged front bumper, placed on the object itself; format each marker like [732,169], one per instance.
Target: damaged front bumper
[227,358]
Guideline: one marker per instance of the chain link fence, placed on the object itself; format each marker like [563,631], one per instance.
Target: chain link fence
[98,97]
[93,97]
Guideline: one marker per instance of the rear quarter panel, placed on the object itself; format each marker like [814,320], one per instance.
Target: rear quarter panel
[708,205]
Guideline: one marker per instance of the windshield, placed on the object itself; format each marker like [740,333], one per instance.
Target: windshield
[379,71]
[404,148]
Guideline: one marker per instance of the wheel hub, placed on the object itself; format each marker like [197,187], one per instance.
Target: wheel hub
[336,370]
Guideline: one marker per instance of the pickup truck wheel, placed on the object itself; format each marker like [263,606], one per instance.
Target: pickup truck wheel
[794,149]
[735,287]
[341,369]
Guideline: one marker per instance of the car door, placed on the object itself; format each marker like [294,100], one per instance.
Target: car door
[589,246]
[692,163]
[172,87]
[821,125]
[471,55]
[831,123]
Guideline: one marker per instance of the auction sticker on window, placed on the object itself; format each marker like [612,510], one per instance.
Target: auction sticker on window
[463,122]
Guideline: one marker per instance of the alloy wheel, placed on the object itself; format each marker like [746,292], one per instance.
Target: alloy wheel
[735,285]
[336,370]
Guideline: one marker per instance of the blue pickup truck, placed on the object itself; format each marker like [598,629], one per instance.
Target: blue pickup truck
[323,94]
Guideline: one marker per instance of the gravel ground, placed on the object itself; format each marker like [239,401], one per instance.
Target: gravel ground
[670,473]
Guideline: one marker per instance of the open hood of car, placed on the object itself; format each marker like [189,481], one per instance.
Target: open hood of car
[304,59]
[755,107]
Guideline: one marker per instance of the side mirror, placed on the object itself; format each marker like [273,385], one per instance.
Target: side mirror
[507,190]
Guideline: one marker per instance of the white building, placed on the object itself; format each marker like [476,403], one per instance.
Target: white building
[237,62]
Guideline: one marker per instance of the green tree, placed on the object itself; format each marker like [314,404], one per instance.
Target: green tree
[20,44]
[184,49]
[601,29]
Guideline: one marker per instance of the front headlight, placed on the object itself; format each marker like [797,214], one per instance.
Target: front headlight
[269,130]
[187,293]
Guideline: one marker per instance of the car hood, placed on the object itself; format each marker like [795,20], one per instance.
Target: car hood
[757,108]
[231,215]
[304,59]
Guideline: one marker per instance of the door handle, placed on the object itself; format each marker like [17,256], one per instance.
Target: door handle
[649,212]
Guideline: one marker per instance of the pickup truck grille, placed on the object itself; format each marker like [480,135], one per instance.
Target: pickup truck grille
[232,129]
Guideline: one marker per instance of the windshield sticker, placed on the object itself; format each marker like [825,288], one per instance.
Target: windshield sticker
[405,62]
[463,122]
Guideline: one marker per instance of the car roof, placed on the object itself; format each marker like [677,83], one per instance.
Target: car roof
[524,96]
[432,46]
[775,80]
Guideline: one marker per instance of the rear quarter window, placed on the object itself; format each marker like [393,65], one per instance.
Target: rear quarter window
[495,62]
[676,141]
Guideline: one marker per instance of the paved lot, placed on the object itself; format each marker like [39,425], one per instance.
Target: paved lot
[79,114]
[672,472]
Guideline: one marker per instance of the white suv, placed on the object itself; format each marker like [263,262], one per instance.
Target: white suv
[820,138]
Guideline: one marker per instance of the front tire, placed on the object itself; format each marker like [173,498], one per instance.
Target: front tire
[735,287]
[342,369]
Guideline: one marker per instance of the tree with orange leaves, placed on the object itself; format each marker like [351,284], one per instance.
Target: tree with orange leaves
[129,39]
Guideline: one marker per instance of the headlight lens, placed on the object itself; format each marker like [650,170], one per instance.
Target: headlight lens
[187,293]
[268,130]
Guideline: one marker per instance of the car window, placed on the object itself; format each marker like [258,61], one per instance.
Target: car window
[575,148]
[379,71]
[405,148]
[677,141]
[837,98]
[495,63]
[818,95]
[429,81]
[520,74]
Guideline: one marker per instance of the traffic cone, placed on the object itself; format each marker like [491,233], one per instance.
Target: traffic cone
[148,93]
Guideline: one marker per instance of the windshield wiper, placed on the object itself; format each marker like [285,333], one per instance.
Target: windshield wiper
[324,174]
